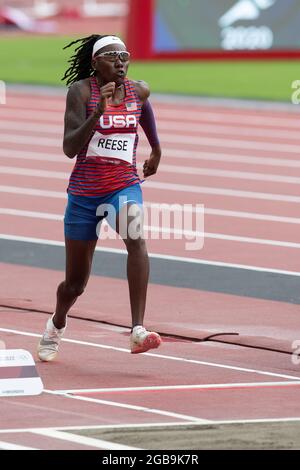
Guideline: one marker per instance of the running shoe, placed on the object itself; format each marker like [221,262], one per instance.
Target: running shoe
[142,340]
[48,345]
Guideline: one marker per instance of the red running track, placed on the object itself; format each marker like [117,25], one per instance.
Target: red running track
[244,166]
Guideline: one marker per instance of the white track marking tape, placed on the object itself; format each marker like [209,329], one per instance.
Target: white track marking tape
[8,446]
[211,386]
[212,142]
[160,356]
[168,153]
[83,440]
[166,187]
[18,374]
[153,205]
[178,169]
[157,229]
[128,406]
[167,125]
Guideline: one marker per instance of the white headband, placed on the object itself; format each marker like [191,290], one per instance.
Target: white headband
[107,41]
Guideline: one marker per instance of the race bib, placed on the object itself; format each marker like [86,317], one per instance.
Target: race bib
[111,146]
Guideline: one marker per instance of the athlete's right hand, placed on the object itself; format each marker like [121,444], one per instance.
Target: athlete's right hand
[106,92]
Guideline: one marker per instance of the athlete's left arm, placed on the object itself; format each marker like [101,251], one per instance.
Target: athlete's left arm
[147,121]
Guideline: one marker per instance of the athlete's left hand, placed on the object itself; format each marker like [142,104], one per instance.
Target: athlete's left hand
[151,165]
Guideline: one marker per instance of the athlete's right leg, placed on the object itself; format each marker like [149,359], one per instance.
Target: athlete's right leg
[79,257]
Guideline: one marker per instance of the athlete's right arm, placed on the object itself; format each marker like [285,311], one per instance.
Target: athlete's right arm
[78,128]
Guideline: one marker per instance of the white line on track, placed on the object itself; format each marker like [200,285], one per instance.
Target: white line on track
[167,230]
[167,125]
[262,121]
[212,386]
[127,406]
[8,446]
[160,356]
[82,440]
[182,170]
[52,113]
[43,241]
[221,192]
[153,205]
[167,187]
[167,152]
[168,139]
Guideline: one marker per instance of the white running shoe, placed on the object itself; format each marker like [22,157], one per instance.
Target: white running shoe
[142,340]
[48,345]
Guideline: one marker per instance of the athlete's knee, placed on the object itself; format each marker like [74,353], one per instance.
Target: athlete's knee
[136,246]
[74,289]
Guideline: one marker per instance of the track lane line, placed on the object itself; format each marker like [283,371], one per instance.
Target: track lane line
[82,440]
[177,169]
[264,119]
[160,356]
[155,205]
[43,241]
[167,152]
[129,407]
[166,230]
[166,187]
[212,386]
[169,139]
[167,125]
[8,446]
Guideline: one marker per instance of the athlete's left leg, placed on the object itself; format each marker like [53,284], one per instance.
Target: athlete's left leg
[129,226]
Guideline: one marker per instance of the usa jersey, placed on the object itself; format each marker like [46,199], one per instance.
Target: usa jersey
[107,162]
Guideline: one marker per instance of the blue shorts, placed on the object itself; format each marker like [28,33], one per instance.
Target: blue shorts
[84,213]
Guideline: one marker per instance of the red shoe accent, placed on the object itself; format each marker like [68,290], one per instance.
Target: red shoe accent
[152,341]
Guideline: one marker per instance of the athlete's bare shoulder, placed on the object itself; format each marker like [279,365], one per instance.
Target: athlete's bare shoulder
[142,89]
[80,90]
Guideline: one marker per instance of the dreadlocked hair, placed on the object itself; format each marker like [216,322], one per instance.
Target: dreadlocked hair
[81,66]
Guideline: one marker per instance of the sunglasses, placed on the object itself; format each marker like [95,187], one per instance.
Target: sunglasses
[112,56]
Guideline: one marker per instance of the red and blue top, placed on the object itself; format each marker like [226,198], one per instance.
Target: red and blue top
[107,162]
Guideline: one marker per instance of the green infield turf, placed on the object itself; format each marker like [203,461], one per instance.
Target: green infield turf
[41,60]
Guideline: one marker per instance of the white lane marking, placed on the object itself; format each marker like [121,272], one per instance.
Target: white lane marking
[156,229]
[32,192]
[187,170]
[251,215]
[163,112]
[244,175]
[169,139]
[167,125]
[247,119]
[31,214]
[214,386]
[167,187]
[167,152]
[220,191]
[187,208]
[160,356]
[8,446]
[127,406]
[82,440]
[155,255]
